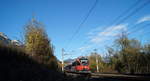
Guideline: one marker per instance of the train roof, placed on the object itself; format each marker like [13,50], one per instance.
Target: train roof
[82,58]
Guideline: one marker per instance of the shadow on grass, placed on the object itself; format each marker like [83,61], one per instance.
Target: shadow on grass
[15,65]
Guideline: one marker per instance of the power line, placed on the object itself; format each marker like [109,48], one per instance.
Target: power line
[128,10]
[146,25]
[141,35]
[135,11]
[132,13]
[84,20]
[122,14]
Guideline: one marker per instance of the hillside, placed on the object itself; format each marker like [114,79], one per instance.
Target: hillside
[17,66]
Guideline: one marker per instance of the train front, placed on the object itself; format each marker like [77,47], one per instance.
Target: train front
[83,65]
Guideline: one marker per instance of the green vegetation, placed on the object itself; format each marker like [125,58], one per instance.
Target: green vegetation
[38,46]
[125,56]
[92,61]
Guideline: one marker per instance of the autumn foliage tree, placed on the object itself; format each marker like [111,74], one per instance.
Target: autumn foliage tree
[37,44]
[130,56]
[126,55]
[92,62]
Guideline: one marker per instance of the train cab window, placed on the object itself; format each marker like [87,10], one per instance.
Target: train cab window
[84,62]
[75,63]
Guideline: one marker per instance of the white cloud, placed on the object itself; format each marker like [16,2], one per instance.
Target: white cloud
[82,49]
[108,33]
[93,32]
[143,19]
[100,35]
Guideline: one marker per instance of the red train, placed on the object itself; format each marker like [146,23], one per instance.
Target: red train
[80,65]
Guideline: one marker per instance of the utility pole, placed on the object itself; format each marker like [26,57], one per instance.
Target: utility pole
[62,60]
[97,67]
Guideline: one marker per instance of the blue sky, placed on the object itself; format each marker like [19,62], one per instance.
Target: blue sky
[62,17]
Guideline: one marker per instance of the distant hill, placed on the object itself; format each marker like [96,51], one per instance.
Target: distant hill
[68,61]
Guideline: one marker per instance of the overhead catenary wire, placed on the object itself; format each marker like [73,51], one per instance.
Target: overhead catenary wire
[84,20]
[121,15]
[126,11]
[132,13]
[141,35]
[146,25]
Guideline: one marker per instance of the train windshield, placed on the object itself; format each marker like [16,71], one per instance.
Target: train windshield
[84,62]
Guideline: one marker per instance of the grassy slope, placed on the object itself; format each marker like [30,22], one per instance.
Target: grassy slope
[15,65]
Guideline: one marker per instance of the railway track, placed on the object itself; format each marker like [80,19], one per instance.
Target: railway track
[108,77]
